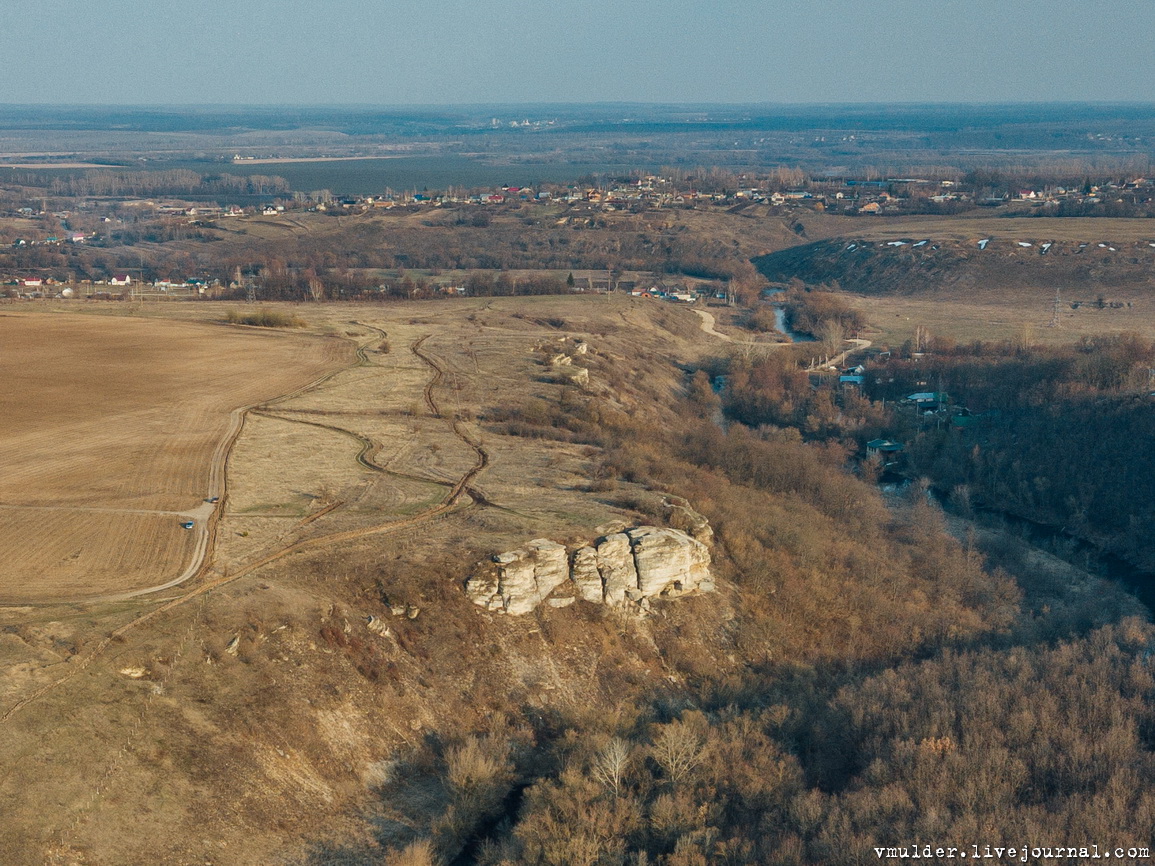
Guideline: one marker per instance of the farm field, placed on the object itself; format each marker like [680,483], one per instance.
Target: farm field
[108,430]
[1020,316]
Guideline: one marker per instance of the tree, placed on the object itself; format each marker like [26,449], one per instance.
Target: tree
[611,763]
[831,334]
[680,747]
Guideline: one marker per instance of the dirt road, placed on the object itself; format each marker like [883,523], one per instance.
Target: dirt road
[708,326]
[453,501]
[708,323]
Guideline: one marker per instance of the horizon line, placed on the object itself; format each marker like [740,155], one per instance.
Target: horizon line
[586,104]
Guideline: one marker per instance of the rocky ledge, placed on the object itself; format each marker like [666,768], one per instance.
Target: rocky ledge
[622,568]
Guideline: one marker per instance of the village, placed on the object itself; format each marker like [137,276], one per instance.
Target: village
[103,222]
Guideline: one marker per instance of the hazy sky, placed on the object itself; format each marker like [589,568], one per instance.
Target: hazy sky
[394,52]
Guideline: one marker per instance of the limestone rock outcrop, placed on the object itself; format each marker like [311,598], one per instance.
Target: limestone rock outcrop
[585,574]
[619,569]
[683,517]
[517,581]
[616,565]
[668,561]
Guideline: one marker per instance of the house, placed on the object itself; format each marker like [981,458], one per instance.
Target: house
[886,450]
[120,280]
[926,401]
[853,377]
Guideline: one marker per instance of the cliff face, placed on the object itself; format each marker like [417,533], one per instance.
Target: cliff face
[623,568]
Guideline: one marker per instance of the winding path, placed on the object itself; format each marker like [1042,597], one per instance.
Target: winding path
[450,503]
[708,323]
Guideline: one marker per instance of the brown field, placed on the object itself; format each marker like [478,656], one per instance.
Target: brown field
[1018,316]
[107,430]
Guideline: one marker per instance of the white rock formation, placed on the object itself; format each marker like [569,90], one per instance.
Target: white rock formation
[622,568]
[521,578]
[668,562]
[616,564]
[585,575]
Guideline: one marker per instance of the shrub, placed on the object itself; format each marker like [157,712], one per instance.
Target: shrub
[264,318]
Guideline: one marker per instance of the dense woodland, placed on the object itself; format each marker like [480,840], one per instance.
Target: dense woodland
[1057,435]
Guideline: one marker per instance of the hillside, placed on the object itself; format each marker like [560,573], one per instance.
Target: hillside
[328,693]
[1085,258]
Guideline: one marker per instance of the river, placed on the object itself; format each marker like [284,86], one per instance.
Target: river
[1061,543]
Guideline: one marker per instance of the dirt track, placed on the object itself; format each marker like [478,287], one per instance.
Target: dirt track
[451,502]
[708,323]
[125,423]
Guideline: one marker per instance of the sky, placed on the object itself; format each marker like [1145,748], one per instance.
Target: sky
[428,52]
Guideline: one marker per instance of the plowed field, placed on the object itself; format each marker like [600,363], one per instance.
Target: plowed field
[108,428]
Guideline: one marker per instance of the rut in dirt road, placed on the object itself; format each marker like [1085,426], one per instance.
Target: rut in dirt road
[451,503]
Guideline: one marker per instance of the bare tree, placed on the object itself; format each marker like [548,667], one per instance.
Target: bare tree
[678,749]
[831,334]
[611,763]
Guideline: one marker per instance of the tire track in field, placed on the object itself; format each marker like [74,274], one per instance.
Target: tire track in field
[450,504]
[455,425]
[370,448]
[208,514]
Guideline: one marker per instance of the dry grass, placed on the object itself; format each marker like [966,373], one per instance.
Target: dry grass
[893,319]
[982,225]
[271,742]
[282,469]
[109,416]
